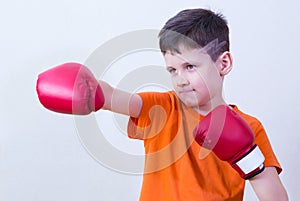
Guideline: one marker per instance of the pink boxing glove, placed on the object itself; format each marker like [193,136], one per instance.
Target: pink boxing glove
[228,135]
[70,88]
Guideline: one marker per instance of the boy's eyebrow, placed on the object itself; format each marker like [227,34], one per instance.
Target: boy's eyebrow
[185,64]
[182,65]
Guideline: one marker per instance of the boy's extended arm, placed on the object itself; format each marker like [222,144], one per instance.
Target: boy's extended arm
[120,101]
[268,187]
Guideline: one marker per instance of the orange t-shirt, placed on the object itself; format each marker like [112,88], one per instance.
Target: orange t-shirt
[176,167]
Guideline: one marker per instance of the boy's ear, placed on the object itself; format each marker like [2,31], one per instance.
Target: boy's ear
[225,61]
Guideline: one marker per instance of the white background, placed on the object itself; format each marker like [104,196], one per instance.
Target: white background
[41,156]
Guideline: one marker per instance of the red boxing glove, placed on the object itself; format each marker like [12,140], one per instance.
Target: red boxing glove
[70,88]
[228,135]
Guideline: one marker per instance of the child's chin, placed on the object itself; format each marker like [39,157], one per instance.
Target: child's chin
[190,104]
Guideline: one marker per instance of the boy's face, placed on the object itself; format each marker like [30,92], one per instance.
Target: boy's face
[196,78]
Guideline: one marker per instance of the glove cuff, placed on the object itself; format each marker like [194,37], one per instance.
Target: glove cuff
[250,164]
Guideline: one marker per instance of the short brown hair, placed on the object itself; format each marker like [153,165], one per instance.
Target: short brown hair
[195,28]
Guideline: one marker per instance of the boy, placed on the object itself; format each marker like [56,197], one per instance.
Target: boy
[195,46]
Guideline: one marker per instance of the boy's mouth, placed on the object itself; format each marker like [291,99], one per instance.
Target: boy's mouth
[187,91]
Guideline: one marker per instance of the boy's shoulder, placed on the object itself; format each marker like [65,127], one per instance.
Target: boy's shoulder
[253,122]
[158,96]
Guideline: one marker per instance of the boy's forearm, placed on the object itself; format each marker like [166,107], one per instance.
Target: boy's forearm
[268,187]
[120,101]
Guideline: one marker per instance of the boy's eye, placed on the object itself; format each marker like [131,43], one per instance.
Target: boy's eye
[190,67]
[171,70]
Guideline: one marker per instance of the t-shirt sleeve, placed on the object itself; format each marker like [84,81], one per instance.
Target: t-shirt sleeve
[155,111]
[261,139]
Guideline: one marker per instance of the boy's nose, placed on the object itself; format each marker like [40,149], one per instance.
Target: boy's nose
[181,81]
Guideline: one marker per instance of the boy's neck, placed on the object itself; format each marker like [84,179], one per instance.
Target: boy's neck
[205,109]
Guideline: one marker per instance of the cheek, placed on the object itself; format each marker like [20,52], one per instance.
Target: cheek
[174,84]
[210,81]
[203,90]
[206,88]
[200,83]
